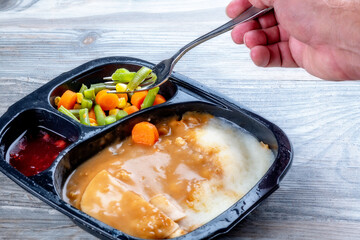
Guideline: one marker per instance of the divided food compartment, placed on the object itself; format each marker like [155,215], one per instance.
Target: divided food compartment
[182,94]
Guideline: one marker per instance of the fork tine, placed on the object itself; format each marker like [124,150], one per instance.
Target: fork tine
[111,87]
[111,83]
[107,78]
[146,84]
[113,91]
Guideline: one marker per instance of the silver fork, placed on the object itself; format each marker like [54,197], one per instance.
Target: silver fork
[164,69]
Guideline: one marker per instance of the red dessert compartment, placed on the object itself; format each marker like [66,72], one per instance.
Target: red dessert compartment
[35,150]
[33,140]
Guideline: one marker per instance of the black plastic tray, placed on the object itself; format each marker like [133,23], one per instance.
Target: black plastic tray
[183,94]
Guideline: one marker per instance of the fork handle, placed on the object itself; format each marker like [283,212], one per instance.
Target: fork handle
[249,14]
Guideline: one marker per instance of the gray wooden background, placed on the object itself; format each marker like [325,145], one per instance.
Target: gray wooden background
[320,196]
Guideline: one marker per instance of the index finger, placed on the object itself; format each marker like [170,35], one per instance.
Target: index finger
[262,3]
[236,7]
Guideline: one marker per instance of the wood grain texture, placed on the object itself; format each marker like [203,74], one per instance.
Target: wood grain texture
[318,199]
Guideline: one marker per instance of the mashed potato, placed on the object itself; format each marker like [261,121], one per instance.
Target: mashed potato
[244,160]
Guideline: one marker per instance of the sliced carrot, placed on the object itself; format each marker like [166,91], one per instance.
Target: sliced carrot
[108,101]
[123,95]
[92,120]
[77,106]
[92,113]
[159,99]
[131,109]
[145,133]
[138,98]
[68,99]
[99,94]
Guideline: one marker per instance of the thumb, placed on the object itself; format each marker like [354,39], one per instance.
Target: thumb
[262,3]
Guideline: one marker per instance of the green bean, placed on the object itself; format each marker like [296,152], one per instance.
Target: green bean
[122,70]
[150,98]
[121,114]
[83,88]
[89,93]
[147,82]
[138,78]
[63,110]
[122,76]
[84,116]
[152,76]
[110,119]
[75,112]
[98,87]
[86,103]
[100,115]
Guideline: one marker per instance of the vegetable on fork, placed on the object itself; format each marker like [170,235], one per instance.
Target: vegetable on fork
[135,80]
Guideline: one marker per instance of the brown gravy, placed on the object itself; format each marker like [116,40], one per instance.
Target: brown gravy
[175,167]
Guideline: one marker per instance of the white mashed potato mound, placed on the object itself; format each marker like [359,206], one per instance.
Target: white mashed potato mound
[244,162]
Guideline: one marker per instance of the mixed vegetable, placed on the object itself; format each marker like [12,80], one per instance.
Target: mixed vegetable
[95,106]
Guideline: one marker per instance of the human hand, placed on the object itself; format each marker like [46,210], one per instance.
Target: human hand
[321,36]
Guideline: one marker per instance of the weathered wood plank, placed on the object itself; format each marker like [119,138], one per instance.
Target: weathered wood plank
[150,36]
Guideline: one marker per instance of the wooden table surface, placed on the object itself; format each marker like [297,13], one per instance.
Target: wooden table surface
[320,196]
